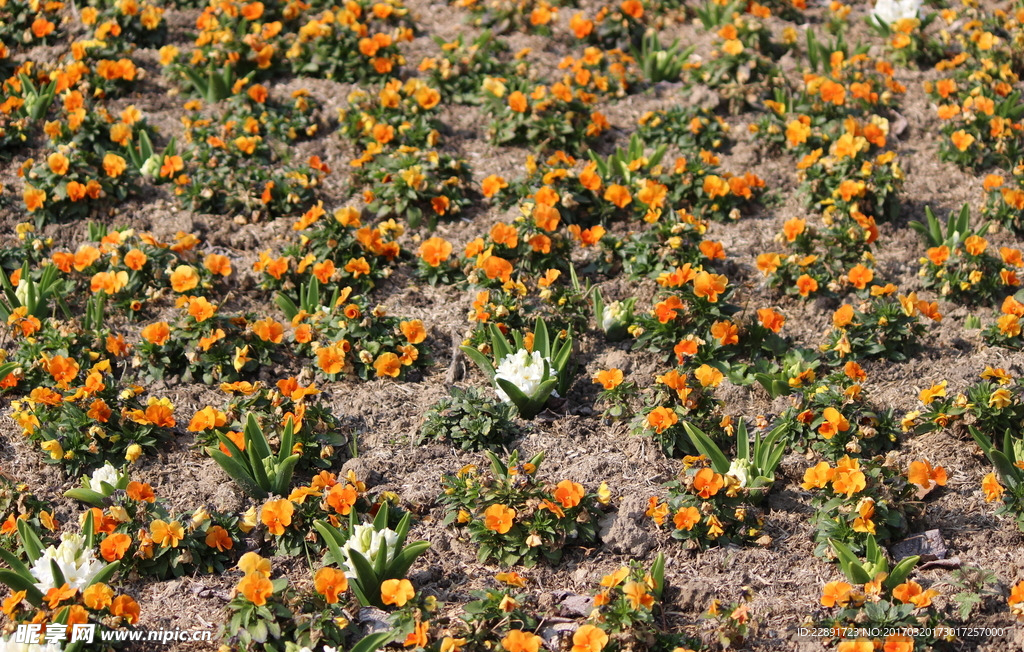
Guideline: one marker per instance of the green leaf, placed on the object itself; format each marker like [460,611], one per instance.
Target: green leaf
[313,295]
[259,472]
[400,565]
[287,441]
[380,564]
[537,459]
[742,441]
[87,496]
[18,583]
[812,47]
[105,574]
[372,642]
[332,539]
[284,475]
[963,223]
[1007,471]
[499,345]
[255,439]
[29,539]
[528,406]
[233,450]
[238,473]
[658,574]
[287,306]
[367,579]
[540,338]
[402,530]
[900,572]
[598,307]
[933,226]
[561,357]
[16,565]
[872,551]
[145,145]
[850,563]
[58,575]
[704,444]
[775,450]
[481,361]
[498,468]
[89,527]
[380,521]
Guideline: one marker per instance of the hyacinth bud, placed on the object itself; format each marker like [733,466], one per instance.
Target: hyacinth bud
[21,292]
[151,167]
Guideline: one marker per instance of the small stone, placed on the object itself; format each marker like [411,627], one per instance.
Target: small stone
[626,531]
[928,545]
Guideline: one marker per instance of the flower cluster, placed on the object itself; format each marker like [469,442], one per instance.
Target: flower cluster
[883,326]
[706,508]
[91,424]
[547,117]
[357,42]
[318,434]
[400,166]
[857,499]
[515,518]
[834,415]
[233,165]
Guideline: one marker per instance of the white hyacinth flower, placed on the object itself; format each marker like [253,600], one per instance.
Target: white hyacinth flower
[740,469]
[152,166]
[891,11]
[525,371]
[21,292]
[612,315]
[368,542]
[107,473]
[9,645]
[76,563]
